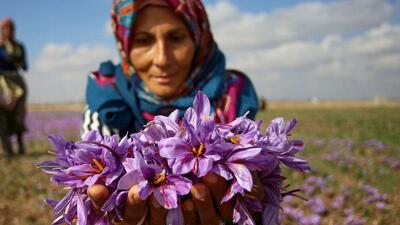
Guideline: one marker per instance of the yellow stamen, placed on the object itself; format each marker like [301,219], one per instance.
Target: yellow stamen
[198,151]
[99,166]
[201,149]
[235,140]
[159,178]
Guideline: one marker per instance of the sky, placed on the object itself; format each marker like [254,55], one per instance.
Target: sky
[290,49]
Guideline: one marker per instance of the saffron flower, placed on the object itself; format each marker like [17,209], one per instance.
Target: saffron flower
[198,149]
[154,179]
[79,165]
[168,156]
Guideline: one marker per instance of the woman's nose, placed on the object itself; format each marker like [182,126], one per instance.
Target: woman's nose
[162,54]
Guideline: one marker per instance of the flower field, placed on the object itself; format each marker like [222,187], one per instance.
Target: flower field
[353,152]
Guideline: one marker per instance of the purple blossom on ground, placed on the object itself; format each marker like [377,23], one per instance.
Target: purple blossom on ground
[338,201]
[311,220]
[374,144]
[317,205]
[393,163]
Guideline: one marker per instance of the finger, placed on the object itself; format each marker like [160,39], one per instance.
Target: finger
[135,208]
[98,194]
[218,187]
[157,213]
[189,212]
[257,191]
[204,205]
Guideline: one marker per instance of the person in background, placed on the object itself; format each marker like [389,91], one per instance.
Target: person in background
[168,54]
[12,61]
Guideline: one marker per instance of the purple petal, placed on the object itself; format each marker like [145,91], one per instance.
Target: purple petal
[173,147]
[219,148]
[181,184]
[93,135]
[144,189]
[130,179]
[241,215]
[270,215]
[192,135]
[92,179]
[174,116]
[290,125]
[296,163]
[166,197]
[175,216]
[191,117]
[51,202]
[223,171]
[201,104]
[233,190]
[110,203]
[184,165]
[204,166]
[57,142]
[242,174]
[82,213]
[170,123]
[121,198]
[205,129]
[244,154]
[129,164]
[64,202]
[59,220]
[49,167]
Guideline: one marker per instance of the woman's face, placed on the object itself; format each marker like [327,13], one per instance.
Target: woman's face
[7,31]
[162,51]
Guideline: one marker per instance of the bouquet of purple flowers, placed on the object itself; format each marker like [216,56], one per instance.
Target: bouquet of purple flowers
[167,157]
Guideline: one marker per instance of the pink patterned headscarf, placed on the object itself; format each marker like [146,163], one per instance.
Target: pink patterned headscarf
[192,12]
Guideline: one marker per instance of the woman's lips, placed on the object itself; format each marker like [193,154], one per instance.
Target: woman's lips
[163,79]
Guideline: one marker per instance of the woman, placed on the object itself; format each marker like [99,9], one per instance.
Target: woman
[12,59]
[168,53]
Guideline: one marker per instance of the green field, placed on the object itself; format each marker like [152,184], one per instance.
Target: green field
[353,152]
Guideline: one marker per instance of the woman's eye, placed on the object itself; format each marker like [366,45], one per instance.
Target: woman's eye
[177,38]
[141,41]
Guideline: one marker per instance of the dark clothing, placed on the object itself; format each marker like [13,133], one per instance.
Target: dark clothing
[12,121]
[12,58]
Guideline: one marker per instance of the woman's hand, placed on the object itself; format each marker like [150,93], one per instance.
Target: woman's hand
[135,209]
[203,208]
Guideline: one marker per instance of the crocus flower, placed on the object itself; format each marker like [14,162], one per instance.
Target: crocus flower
[154,179]
[79,165]
[276,143]
[168,155]
[200,147]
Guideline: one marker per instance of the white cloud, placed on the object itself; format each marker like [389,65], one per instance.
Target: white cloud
[305,20]
[343,49]
[60,72]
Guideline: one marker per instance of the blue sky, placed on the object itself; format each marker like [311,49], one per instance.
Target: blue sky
[81,21]
[290,49]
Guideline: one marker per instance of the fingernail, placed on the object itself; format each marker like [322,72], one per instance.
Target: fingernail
[133,195]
